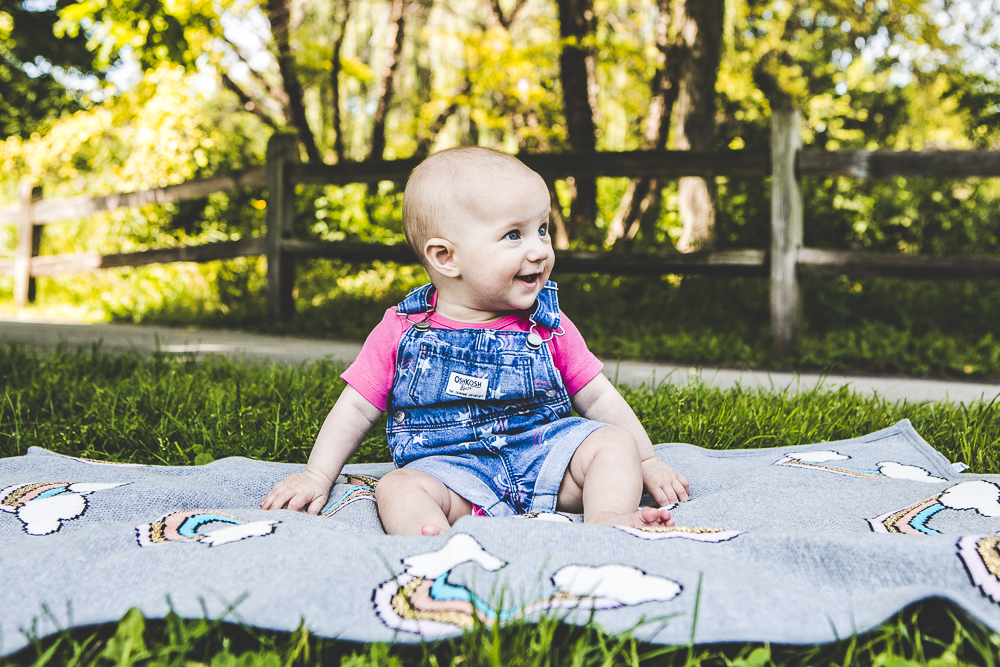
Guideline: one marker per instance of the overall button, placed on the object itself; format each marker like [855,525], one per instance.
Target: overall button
[399,416]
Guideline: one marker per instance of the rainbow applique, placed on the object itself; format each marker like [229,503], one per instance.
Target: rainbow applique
[818,460]
[979,495]
[364,490]
[188,526]
[422,600]
[980,555]
[43,507]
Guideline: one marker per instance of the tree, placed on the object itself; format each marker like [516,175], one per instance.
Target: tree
[392,78]
[576,64]
[700,30]
[35,67]
[640,206]
[278,14]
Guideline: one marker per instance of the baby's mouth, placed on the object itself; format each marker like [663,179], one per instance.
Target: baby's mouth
[529,278]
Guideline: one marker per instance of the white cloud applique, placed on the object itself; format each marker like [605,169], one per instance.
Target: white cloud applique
[821,456]
[43,507]
[821,460]
[422,600]
[903,471]
[979,495]
[614,585]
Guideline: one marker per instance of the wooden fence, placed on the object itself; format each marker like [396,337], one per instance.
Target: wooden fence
[783,262]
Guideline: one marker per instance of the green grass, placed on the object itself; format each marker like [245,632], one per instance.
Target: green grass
[172,410]
[929,633]
[178,411]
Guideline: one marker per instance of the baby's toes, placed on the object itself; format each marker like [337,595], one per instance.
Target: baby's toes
[650,516]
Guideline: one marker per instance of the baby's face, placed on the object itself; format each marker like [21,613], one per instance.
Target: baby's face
[503,249]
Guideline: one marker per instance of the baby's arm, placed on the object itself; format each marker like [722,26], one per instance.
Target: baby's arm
[600,401]
[344,429]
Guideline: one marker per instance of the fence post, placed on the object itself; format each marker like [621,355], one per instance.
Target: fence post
[29,239]
[786,228]
[281,150]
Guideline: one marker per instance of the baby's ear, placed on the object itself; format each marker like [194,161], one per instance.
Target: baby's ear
[440,255]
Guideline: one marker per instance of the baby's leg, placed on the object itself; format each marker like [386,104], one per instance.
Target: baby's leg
[411,502]
[604,481]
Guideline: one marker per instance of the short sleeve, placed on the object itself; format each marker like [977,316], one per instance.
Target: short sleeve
[573,359]
[372,372]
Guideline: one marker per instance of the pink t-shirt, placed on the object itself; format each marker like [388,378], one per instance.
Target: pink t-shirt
[373,371]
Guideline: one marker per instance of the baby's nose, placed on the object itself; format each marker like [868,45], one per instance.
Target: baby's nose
[539,250]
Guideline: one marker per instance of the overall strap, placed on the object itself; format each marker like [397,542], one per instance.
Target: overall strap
[546,311]
[417,301]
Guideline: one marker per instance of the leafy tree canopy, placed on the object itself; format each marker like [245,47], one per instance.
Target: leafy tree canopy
[36,66]
[897,74]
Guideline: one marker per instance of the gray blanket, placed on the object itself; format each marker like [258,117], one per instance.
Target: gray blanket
[793,544]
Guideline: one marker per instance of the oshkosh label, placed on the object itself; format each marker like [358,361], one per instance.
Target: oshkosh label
[466,386]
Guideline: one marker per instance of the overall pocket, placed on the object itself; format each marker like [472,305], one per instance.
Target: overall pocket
[445,374]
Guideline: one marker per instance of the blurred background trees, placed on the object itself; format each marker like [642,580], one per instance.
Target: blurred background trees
[378,79]
[101,96]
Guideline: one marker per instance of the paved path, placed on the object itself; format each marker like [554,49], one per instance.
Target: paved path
[146,339]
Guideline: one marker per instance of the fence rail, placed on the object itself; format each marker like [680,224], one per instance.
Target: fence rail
[51,210]
[783,262]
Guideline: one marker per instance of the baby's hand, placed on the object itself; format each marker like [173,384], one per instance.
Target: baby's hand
[666,485]
[303,489]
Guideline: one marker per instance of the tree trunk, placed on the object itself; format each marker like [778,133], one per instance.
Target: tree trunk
[700,26]
[338,44]
[424,75]
[426,141]
[393,51]
[576,63]
[505,20]
[278,15]
[265,89]
[248,103]
[640,206]
[559,236]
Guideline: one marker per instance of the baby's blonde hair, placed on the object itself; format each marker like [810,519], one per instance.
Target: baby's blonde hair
[445,188]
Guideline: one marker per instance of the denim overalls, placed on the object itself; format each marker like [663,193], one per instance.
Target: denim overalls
[483,410]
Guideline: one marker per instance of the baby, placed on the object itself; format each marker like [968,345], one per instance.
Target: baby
[478,370]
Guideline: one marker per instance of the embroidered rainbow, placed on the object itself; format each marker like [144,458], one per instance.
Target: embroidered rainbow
[187,526]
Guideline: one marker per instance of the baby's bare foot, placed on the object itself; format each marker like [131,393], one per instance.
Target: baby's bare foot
[644,517]
[653,516]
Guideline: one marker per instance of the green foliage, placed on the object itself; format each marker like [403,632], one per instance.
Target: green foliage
[875,74]
[27,44]
[943,329]
[161,132]
[879,326]
[153,32]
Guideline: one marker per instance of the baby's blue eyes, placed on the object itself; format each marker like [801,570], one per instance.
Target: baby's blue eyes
[514,234]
